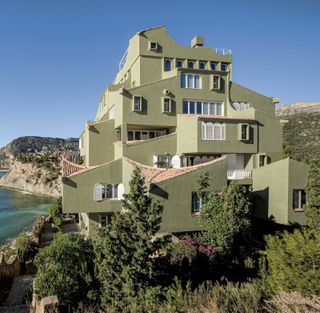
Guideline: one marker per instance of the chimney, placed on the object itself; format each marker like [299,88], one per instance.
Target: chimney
[197,41]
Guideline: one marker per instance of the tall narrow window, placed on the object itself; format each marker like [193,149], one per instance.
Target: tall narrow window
[196,81]
[166,105]
[216,82]
[185,107]
[196,202]
[299,199]
[219,108]
[137,103]
[167,65]
[199,107]
[205,108]
[183,80]
[244,132]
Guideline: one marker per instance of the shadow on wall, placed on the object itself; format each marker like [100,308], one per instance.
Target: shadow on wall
[261,203]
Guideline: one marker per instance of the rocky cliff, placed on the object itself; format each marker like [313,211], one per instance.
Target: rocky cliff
[31,178]
[298,107]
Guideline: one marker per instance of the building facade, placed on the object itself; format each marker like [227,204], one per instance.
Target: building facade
[175,112]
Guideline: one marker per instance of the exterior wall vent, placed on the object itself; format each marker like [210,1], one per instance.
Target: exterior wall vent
[153,46]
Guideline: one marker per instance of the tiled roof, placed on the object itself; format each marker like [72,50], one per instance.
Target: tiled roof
[157,175]
[69,168]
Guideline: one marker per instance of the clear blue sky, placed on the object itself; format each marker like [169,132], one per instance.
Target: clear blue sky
[57,56]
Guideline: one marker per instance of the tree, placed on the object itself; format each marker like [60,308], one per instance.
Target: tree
[294,262]
[203,186]
[226,217]
[65,268]
[125,249]
[55,211]
[312,207]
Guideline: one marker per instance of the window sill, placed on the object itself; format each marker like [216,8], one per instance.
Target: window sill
[107,199]
[298,210]
[195,214]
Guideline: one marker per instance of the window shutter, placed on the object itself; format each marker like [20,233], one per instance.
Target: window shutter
[97,192]
[120,191]
[209,131]
[217,131]
[203,130]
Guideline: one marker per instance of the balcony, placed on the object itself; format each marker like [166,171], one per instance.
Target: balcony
[239,174]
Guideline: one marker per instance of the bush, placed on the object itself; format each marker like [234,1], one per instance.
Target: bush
[23,246]
[65,269]
[294,262]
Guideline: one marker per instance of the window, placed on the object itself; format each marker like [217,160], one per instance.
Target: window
[262,160]
[163,161]
[212,131]
[167,65]
[216,82]
[299,199]
[107,191]
[179,63]
[166,105]
[191,64]
[244,132]
[213,66]
[143,134]
[153,46]
[224,67]
[190,81]
[137,103]
[118,134]
[202,107]
[105,220]
[196,202]
[202,65]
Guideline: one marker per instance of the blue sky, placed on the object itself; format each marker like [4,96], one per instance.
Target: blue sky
[56,57]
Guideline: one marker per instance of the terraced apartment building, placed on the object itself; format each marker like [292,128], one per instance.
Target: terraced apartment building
[175,113]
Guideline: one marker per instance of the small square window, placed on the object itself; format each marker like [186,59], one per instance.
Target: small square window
[151,134]
[137,103]
[153,46]
[262,160]
[202,65]
[213,66]
[224,67]
[179,63]
[166,105]
[191,64]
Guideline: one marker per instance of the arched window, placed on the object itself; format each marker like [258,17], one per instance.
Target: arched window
[217,131]
[197,160]
[98,192]
[115,191]
[167,65]
[175,161]
[179,63]
[191,64]
[109,191]
[204,159]
[120,191]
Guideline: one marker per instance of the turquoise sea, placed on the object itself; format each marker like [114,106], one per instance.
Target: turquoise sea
[18,211]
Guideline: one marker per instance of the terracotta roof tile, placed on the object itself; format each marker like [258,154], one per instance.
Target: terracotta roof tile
[157,175]
[69,168]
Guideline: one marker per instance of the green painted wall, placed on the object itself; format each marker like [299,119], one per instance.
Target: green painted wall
[77,190]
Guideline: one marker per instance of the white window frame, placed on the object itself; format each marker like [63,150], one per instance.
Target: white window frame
[210,104]
[164,64]
[163,105]
[209,131]
[186,76]
[300,208]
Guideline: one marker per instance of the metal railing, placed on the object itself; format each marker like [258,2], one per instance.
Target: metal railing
[239,174]
[222,51]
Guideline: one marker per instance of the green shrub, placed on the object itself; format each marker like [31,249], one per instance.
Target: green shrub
[21,244]
[294,262]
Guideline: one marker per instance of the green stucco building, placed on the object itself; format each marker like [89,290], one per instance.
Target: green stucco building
[175,112]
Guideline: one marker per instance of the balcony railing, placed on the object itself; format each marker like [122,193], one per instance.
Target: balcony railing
[239,174]
[222,51]
[123,60]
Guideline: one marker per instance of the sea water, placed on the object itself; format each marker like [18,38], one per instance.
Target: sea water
[18,211]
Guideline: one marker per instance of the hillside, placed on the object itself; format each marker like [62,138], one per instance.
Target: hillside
[35,163]
[301,135]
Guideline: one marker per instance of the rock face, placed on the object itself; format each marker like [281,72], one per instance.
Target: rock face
[298,107]
[31,178]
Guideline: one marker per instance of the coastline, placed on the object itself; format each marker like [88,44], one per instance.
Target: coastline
[27,191]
